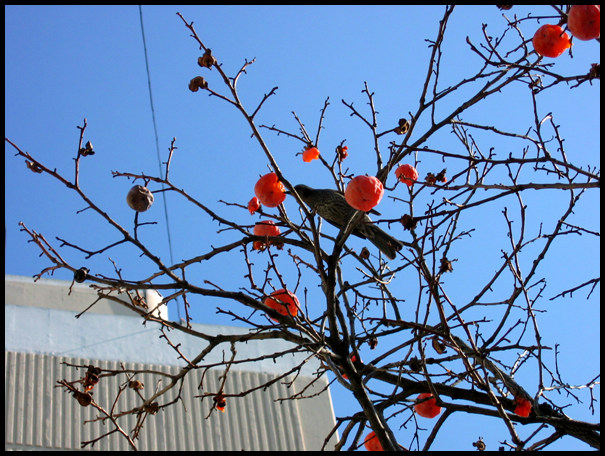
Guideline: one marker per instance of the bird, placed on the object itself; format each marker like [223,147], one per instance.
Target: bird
[332,206]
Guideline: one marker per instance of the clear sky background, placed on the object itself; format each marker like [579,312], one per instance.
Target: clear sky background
[64,64]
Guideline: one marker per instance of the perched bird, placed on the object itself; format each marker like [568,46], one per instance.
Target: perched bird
[333,208]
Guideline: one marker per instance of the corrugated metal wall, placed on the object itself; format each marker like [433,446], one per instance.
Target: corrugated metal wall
[40,416]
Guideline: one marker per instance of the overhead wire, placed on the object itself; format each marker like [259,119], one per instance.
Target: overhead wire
[157,143]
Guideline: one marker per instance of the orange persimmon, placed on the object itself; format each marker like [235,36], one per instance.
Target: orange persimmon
[522,406]
[311,153]
[551,41]
[284,302]
[584,21]
[265,228]
[407,174]
[372,443]
[254,205]
[427,408]
[353,359]
[364,192]
[269,190]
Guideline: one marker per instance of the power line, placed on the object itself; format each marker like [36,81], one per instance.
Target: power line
[157,143]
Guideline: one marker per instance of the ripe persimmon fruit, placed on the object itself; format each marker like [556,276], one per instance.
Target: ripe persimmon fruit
[364,192]
[551,41]
[311,153]
[269,190]
[407,174]
[253,205]
[584,21]
[372,443]
[523,406]
[266,228]
[284,302]
[353,359]
[428,408]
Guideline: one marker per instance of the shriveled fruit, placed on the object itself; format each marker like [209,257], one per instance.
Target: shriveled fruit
[372,443]
[270,191]
[342,153]
[364,192]
[407,174]
[428,408]
[253,205]
[136,385]
[220,402]
[311,153]
[85,399]
[584,21]
[551,41]
[81,274]
[198,83]
[139,198]
[284,302]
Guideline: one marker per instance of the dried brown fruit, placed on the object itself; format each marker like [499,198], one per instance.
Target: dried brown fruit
[438,345]
[446,266]
[139,301]
[220,402]
[152,408]
[198,83]
[81,274]
[342,153]
[479,444]
[91,378]
[33,166]
[404,126]
[441,176]
[84,399]
[595,71]
[414,364]
[373,342]
[408,222]
[206,61]
[87,150]
[136,385]
[139,198]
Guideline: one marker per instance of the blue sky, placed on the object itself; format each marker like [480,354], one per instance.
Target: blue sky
[64,64]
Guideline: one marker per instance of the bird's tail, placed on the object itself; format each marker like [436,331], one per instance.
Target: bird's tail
[386,243]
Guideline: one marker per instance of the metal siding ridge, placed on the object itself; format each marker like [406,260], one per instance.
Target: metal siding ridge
[10,360]
[39,415]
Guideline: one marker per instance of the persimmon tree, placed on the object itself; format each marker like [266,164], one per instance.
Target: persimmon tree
[434,355]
